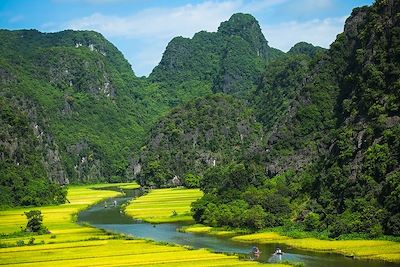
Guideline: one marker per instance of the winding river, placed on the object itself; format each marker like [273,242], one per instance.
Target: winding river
[113,219]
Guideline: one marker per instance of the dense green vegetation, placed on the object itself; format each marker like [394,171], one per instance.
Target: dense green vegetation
[23,179]
[75,89]
[332,161]
[305,140]
[205,132]
[35,222]
[358,184]
[229,60]
[305,49]
[280,84]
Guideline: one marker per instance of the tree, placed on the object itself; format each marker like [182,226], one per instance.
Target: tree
[192,181]
[35,222]
[393,225]
[312,221]
[255,217]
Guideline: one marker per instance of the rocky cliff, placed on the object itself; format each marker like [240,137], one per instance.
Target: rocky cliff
[74,88]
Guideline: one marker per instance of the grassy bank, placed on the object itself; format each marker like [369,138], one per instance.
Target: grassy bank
[164,205]
[202,229]
[71,244]
[363,249]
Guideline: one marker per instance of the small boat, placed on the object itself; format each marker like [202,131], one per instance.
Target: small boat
[255,253]
[278,251]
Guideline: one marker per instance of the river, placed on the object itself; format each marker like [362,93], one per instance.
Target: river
[113,219]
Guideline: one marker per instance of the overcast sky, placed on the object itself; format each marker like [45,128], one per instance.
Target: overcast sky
[141,29]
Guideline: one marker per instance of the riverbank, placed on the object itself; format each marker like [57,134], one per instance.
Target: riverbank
[388,251]
[159,204]
[363,249]
[70,244]
[202,229]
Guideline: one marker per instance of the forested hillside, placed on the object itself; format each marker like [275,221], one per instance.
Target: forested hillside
[332,161]
[203,133]
[88,111]
[235,61]
[82,106]
[24,180]
[359,178]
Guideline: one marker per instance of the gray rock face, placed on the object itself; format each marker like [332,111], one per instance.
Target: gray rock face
[72,71]
[86,166]
[296,158]
[17,148]
[51,155]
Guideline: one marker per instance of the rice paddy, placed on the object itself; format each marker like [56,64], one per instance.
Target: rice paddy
[363,249]
[159,205]
[70,244]
[59,219]
[201,229]
[164,205]
[114,253]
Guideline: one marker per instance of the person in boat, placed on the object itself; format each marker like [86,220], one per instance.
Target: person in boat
[105,204]
[115,203]
[278,251]
[255,252]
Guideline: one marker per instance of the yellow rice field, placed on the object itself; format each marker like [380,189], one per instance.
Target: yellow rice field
[365,249]
[159,205]
[113,253]
[73,245]
[201,229]
[59,218]
[129,186]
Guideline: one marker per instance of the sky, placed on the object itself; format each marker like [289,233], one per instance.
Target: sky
[141,29]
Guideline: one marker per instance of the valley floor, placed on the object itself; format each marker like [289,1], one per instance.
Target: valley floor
[70,244]
[158,205]
[364,249]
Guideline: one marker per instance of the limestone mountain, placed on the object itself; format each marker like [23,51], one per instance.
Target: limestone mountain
[229,60]
[363,156]
[340,103]
[191,137]
[72,90]
[24,177]
[332,153]
[305,49]
[200,134]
